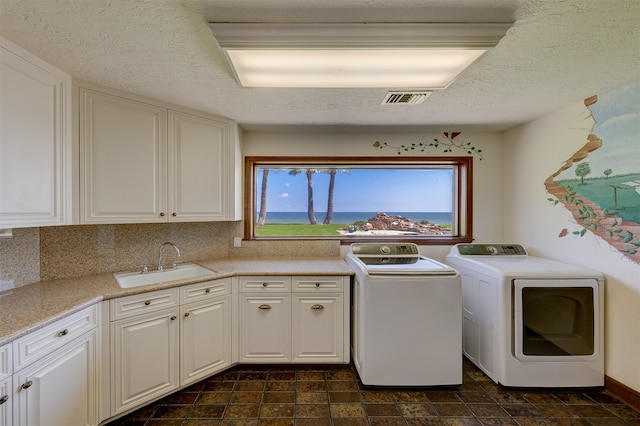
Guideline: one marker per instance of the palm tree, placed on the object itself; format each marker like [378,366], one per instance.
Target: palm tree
[263,198]
[332,177]
[310,212]
[309,173]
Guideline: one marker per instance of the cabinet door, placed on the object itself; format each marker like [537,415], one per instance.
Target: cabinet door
[60,389]
[144,358]
[205,333]
[123,160]
[317,327]
[35,141]
[6,400]
[199,167]
[265,327]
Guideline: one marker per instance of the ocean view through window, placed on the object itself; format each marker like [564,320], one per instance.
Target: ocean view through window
[422,199]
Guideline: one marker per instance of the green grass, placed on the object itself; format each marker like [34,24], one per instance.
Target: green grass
[600,192]
[298,229]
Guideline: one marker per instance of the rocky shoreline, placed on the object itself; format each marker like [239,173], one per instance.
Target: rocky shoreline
[384,224]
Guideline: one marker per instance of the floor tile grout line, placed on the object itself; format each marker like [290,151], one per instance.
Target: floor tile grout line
[591,401]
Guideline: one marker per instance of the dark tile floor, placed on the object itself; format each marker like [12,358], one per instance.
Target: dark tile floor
[332,395]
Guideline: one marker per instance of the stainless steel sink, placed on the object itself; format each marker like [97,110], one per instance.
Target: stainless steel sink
[182,272]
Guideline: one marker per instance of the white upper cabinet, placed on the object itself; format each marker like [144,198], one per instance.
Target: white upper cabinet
[35,141]
[199,168]
[142,162]
[123,160]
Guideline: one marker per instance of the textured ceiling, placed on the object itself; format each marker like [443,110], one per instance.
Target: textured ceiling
[557,52]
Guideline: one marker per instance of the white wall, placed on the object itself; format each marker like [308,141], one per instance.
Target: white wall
[532,153]
[487,174]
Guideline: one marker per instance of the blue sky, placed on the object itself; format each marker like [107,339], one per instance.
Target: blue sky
[617,123]
[364,190]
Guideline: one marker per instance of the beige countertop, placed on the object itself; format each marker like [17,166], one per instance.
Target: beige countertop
[27,308]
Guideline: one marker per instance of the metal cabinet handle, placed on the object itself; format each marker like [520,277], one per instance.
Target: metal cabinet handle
[317,284]
[174,214]
[317,307]
[147,302]
[162,214]
[265,284]
[208,290]
[26,385]
[264,307]
[63,332]
[173,318]
[4,399]
[186,314]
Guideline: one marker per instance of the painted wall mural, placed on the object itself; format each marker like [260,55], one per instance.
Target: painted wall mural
[600,183]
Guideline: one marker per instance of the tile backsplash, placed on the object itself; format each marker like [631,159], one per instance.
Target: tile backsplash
[35,254]
[20,258]
[68,251]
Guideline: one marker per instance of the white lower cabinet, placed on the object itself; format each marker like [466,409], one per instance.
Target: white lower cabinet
[265,327]
[205,331]
[144,358]
[6,398]
[294,319]
[317,328]
[55,374]
[5,402]
[166,339]
[60,389]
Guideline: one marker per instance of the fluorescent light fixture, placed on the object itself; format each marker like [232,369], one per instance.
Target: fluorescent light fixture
[426,56]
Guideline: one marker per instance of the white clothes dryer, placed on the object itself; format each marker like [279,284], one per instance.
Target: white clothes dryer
[529,321]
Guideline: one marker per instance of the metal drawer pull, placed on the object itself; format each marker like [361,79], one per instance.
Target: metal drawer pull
[4,399]
[186,314]
[317,307]
[265,284]
[27,385]
[173,318]
[208,290]
[147,302]
[264,307]
[317,284]
[63,332]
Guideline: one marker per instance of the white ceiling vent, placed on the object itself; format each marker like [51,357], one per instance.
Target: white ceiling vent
[405,98]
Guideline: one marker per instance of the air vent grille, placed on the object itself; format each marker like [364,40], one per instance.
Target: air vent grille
[405,98]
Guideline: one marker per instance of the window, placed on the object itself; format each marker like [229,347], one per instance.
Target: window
[426,200]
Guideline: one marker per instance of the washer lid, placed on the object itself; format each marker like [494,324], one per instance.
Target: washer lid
[422,266]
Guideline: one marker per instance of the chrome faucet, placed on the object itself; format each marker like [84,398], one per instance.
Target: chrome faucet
[173,265]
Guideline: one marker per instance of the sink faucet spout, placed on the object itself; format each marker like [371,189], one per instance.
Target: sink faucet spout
[161,253]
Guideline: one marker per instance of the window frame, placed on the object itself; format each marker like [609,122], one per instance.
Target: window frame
[463,194]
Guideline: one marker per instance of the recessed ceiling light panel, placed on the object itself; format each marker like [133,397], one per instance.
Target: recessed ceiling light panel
[348,68]
[353,55]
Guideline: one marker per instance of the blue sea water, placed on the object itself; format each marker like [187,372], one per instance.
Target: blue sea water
[440,218]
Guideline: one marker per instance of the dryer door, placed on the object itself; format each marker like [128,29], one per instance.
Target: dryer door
[556,320]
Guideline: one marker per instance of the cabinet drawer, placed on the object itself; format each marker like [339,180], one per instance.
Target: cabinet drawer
[42,342]
[125,307]
[317,283]
[205,290]
[6,367]
[271,283]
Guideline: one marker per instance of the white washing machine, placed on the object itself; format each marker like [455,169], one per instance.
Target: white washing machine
[529,321]
[406,317]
